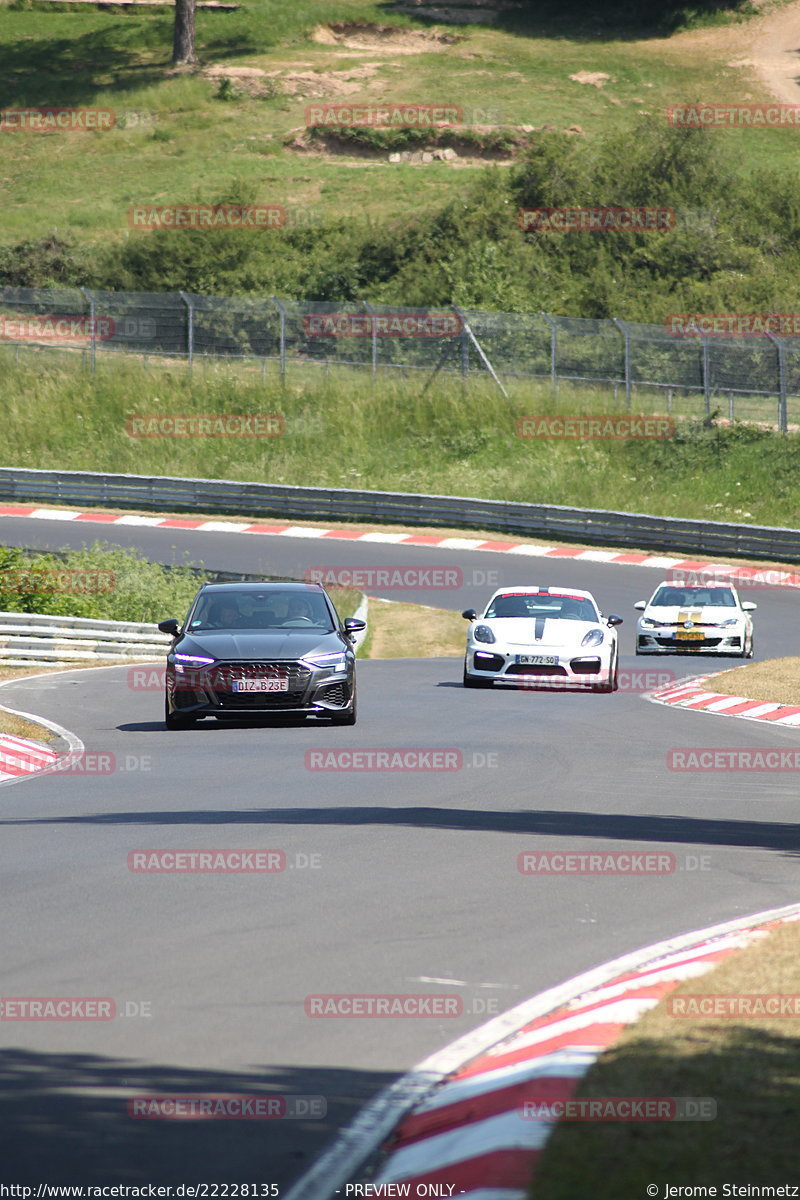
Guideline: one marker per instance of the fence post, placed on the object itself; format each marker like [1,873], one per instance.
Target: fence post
[706,376]
[627,335]
[189,328]
[465,329]
[368,308]
[553,351]
[92,326]
[282,312]
[783,414]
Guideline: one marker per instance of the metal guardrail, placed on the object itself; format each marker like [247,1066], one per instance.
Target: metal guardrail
[28,639]
[595,526]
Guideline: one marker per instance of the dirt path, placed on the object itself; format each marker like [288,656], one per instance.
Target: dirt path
[776,56]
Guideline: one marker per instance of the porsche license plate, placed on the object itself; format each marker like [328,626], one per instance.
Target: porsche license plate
[276,684]
[538,660]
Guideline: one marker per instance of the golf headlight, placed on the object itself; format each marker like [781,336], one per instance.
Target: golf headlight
[649,623]
[593,638]
[336,661]
[483,633]
[727,624]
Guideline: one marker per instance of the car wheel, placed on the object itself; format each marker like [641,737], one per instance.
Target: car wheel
[172,721]
[613,679]
[750,650]
[348,717]
[469,681]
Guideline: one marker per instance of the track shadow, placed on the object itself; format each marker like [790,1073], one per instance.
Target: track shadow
[766,835]
[64,1119]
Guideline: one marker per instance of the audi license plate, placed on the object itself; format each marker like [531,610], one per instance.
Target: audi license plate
[538,660]
[276,684]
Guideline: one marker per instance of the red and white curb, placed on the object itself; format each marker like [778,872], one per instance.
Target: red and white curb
[456,1121]
[21,758]
[693,694]
[743,575]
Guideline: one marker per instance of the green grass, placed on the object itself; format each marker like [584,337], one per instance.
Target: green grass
[450,440]
[177,142]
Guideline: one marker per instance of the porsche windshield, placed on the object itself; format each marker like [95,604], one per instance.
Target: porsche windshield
[255,610]
[701,597]
[543,604]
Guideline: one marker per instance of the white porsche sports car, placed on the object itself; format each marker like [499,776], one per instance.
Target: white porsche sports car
[553,637]
[699,618]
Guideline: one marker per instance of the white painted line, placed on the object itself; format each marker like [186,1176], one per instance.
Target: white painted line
[760,709]
[223,526]
[792,719]
[303,531]
[532,551]
[598,555]
[136,520]
[619,1012]
[655,560]
[507,1131]
[566,1063]
[53,514]
[728,702]
[459,543]
[390,538]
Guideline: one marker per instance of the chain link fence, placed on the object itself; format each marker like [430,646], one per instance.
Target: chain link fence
[747,378]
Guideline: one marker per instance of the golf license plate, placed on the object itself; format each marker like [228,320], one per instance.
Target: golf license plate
[538,660]
[276,684]
[690,635]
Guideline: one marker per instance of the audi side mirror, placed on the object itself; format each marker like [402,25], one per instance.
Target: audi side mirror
[171,627]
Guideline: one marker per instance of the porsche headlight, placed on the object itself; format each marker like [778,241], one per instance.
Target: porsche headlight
[483,633]
[593,638]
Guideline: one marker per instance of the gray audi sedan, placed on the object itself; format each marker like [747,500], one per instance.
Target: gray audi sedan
[259,649]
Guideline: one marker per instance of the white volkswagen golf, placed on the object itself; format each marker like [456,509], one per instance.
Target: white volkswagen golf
[548,637]
[699,618]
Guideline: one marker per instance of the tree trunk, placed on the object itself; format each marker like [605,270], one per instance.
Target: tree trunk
[183,37]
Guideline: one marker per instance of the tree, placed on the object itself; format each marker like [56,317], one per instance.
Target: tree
[183,37]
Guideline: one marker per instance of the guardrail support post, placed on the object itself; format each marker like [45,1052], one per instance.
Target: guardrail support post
[465,327]
[553,352]
[92,326]
[627,335]
[706,377]
[189,329]
[783,414]
[368,308]
[282,312]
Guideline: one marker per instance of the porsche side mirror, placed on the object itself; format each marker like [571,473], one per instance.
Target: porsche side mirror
[469,614]
[612,620]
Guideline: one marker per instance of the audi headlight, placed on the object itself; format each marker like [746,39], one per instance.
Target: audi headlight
[194,660]
[593,638]
[483,633]
[336,660]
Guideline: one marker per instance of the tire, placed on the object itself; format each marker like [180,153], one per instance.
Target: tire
[350,715]
[174,722]
[470,681]
[613,682]
[750,651]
